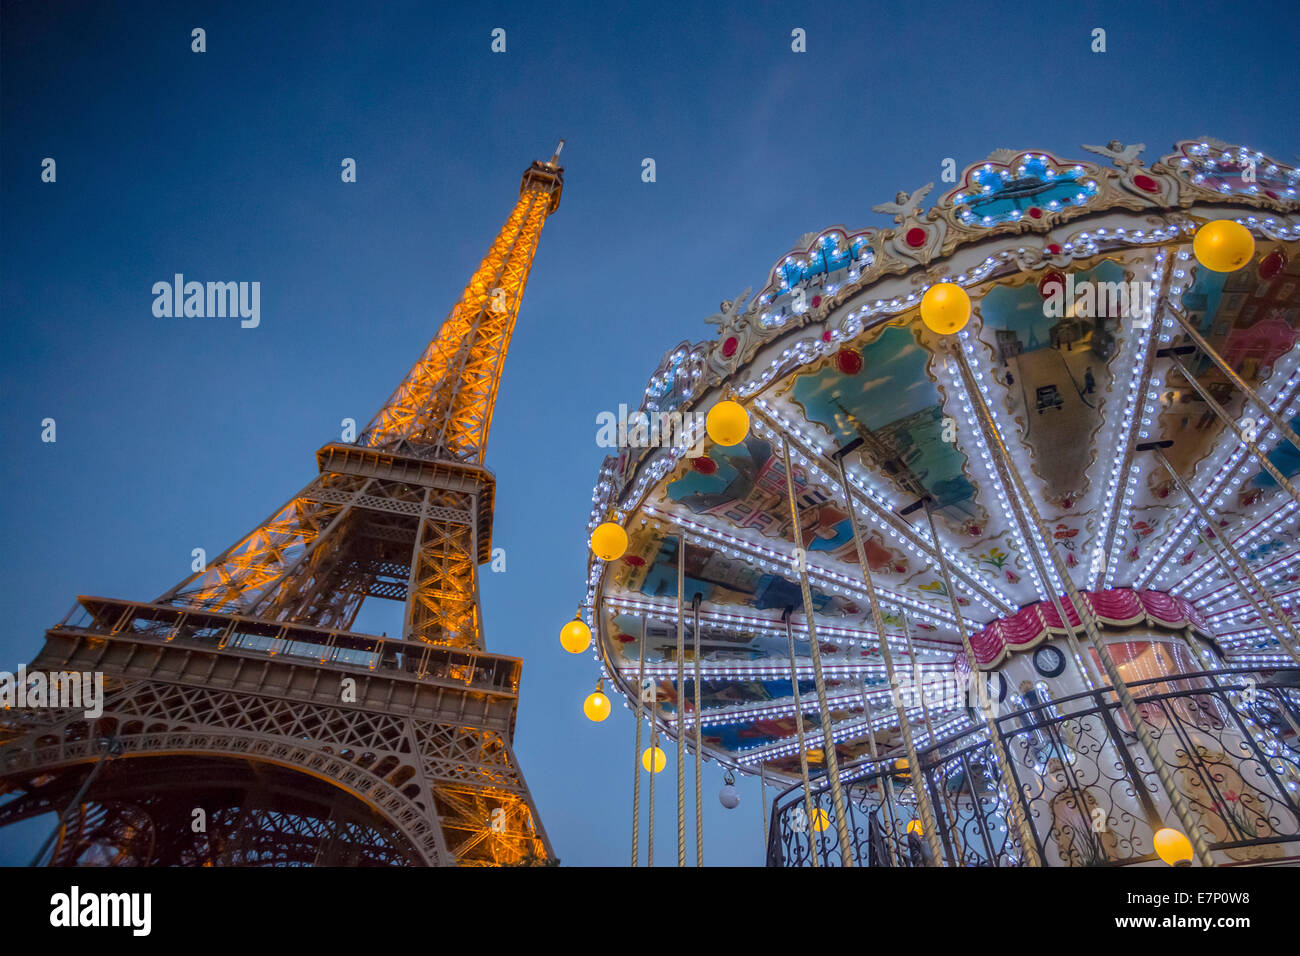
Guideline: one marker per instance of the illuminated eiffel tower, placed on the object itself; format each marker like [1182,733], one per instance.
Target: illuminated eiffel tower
[245,722]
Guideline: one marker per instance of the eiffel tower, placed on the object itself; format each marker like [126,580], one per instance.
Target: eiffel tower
[245,723]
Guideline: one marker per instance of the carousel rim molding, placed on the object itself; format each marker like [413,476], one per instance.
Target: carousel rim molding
[751,349]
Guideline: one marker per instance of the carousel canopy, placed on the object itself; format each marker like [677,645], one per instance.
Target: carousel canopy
[1078,273]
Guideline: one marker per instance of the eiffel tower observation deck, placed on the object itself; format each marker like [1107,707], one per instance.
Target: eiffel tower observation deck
[242,699]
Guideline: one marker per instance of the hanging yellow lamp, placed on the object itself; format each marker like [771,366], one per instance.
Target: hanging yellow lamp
[727,423]
[1173,847]
[945,308]
[596,706]
[609,541]
[655,755]
[1223,245]
[575,637]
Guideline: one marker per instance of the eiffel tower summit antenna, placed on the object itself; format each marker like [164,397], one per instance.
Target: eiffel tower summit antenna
[244,689]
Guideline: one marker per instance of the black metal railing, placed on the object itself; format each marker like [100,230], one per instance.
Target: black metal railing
[1231,739]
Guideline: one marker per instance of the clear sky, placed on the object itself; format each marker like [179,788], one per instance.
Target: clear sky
[181,433]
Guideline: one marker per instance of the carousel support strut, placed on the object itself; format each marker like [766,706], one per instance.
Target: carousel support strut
[1231,375]
[681,702]
[1022,502]
[799,734]
[699,812]
[929,822]
[1028,841]
[819,683]
[1278,621]
[1228,421]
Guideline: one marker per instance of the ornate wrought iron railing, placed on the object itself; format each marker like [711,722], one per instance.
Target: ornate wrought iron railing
[1231,739]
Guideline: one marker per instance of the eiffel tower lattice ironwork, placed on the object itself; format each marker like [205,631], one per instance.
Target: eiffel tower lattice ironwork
[242,700]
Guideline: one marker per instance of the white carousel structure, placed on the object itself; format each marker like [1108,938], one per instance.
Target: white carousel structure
[988,555]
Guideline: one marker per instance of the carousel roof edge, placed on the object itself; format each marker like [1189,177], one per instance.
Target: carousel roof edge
[977,208]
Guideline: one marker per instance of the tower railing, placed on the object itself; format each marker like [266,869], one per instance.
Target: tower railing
[349,650]
[1231,738]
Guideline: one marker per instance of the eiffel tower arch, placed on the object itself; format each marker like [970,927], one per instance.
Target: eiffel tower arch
[245,722]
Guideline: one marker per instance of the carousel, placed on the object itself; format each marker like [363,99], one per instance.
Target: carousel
[974,537]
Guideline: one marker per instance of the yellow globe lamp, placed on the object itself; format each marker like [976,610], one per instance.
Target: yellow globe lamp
[915,827]
[1172,847]
[945,308]
[820,820]
[596,707]
[575,637]
[727,423]
[655,755]
[609,541]
[1223,245]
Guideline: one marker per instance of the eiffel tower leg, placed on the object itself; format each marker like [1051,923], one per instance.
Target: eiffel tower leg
[443,603]
[251,568]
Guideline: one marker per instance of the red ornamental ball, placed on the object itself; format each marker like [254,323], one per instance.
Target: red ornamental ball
[633,559]
[1272,264]
[1053,249]
[849,361]
[1035,212]
[704,465]
[729,347]
[915,237]
[1146,184]
[1052,279]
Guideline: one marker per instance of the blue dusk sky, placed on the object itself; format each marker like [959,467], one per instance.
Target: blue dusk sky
[177,433]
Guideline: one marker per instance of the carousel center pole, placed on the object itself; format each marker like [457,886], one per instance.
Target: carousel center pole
[929,822]
[832,759]
[1021,501]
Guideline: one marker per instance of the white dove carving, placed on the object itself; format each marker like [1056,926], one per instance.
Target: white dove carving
[904,206]
[1119,154]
